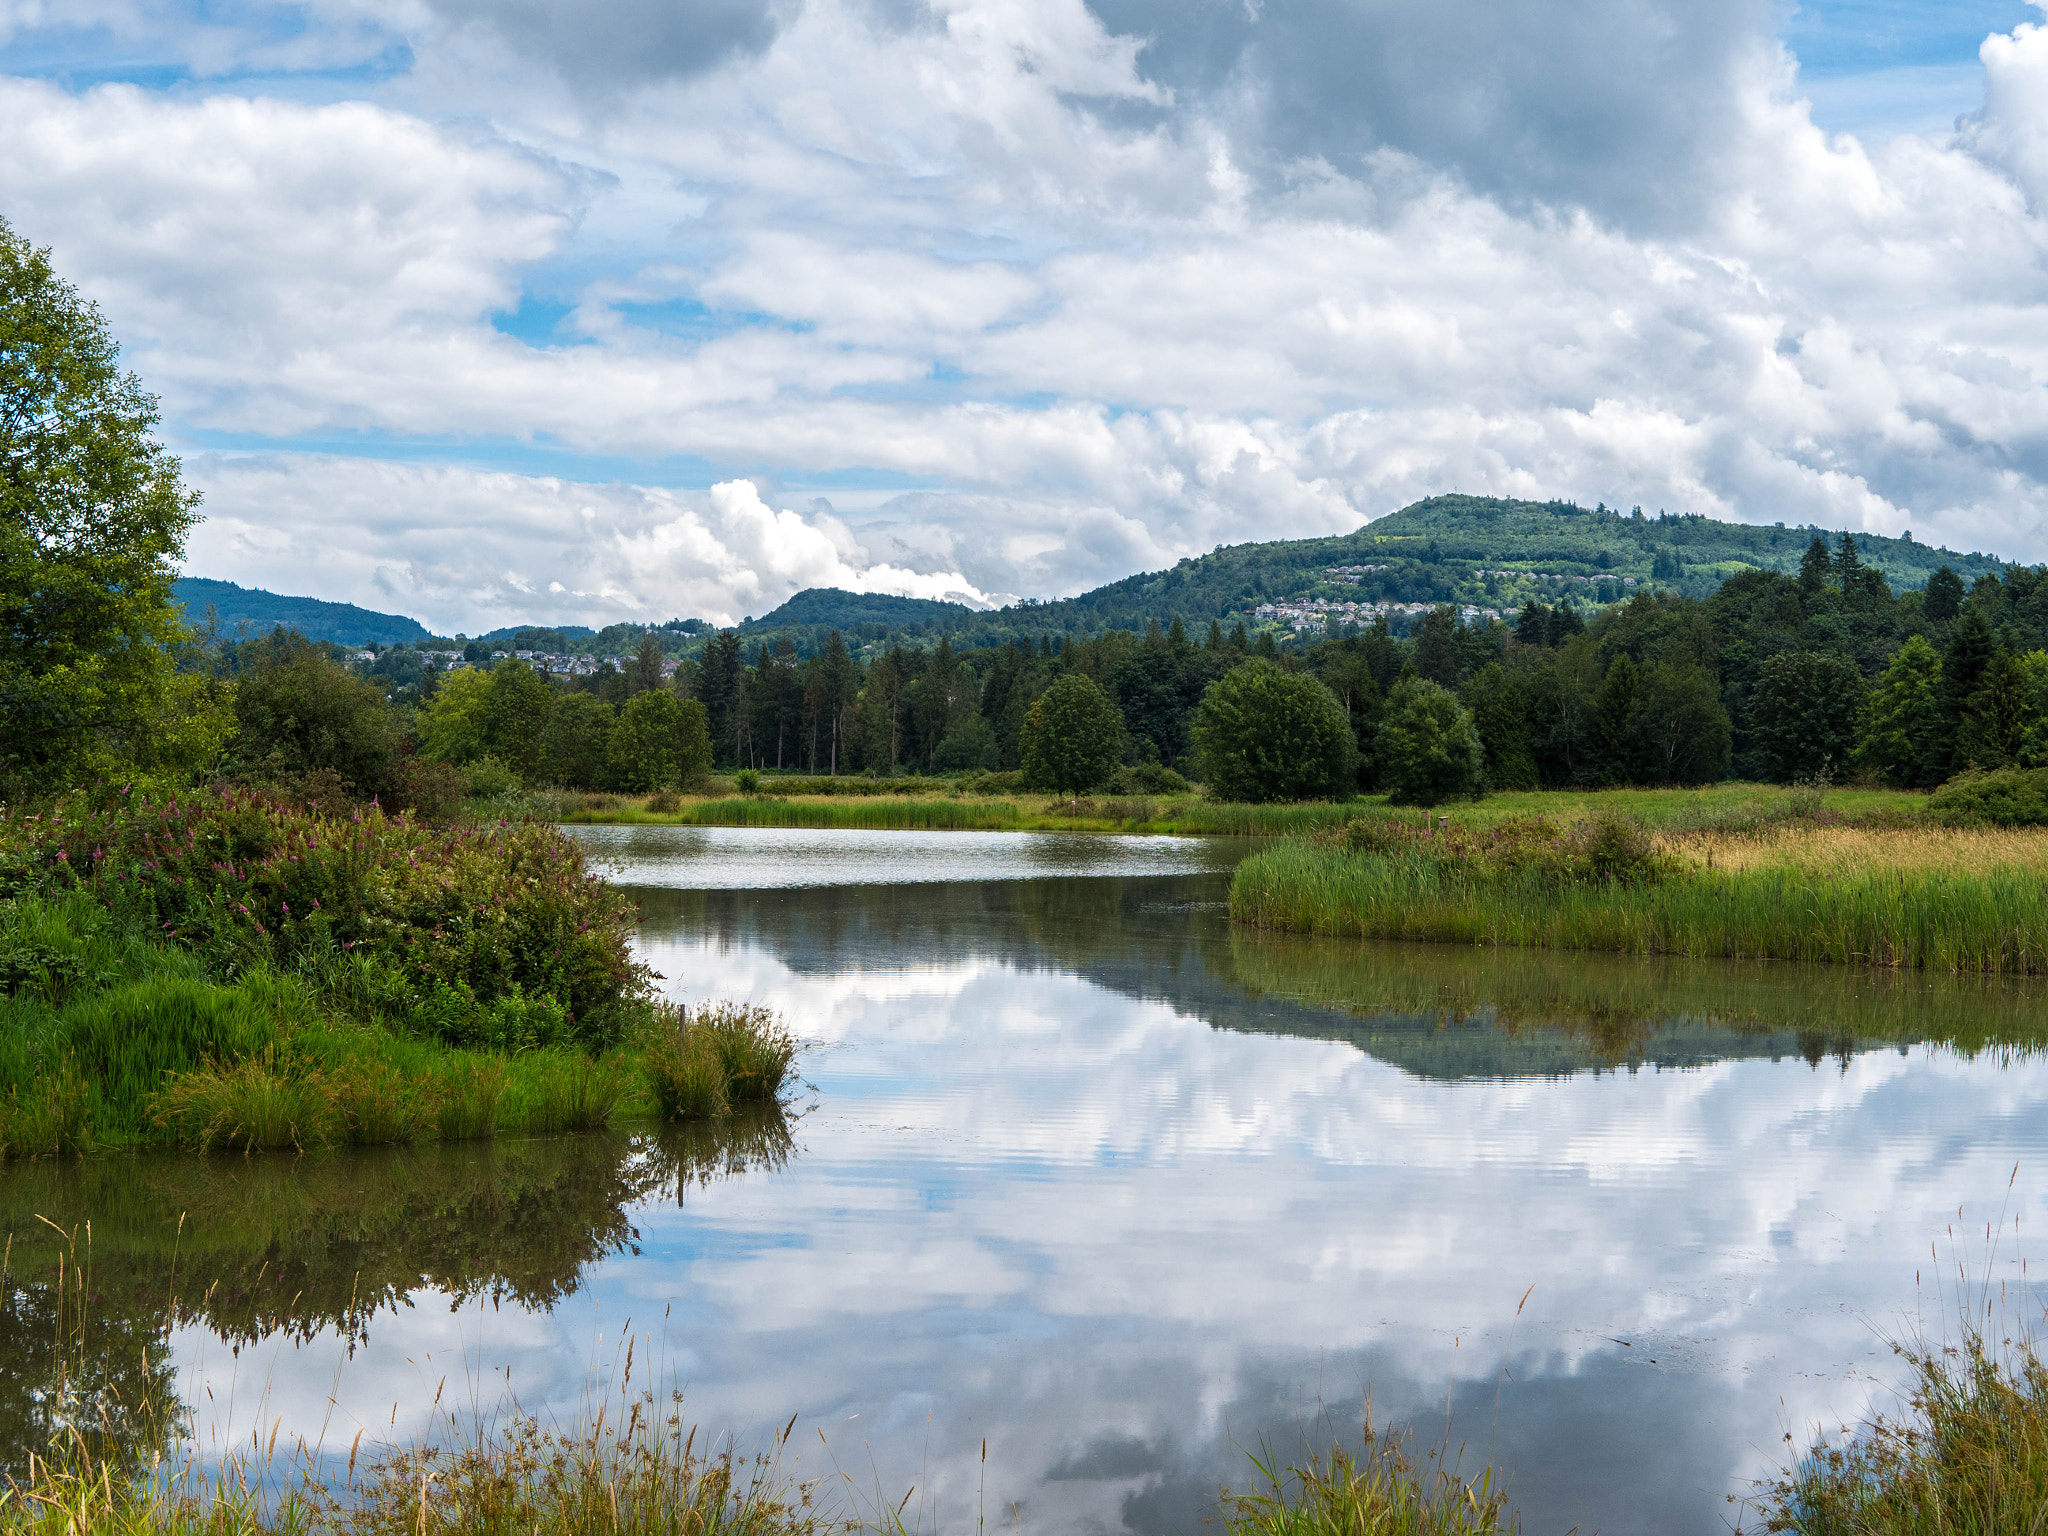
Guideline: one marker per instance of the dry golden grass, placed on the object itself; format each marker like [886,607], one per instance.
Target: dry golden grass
[1856,850]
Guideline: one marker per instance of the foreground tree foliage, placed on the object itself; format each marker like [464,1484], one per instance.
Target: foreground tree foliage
[92,525]
[1265,734]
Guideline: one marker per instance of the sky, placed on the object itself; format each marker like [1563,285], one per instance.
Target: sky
[492,311]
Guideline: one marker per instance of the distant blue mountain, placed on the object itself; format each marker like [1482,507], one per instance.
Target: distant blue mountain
[253,611]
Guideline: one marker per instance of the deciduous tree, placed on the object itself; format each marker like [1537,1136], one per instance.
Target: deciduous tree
[1428,749]
[1073,737]
[93,520]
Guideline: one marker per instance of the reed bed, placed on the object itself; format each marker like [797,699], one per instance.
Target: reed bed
[1963,902]
[644,1474]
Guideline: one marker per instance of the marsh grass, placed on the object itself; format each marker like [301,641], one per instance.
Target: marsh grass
[704,1063]
[643,1473]
[573,1093]
[127,1044]
[468,1107]
[1912,897]
[1379,1492]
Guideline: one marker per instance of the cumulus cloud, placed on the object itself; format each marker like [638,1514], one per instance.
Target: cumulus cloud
[1107,285]
[460,549]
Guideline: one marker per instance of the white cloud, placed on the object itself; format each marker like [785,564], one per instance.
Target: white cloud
[1109,297]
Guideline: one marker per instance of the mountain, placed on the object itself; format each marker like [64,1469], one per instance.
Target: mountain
[256,612]
[1476,551]
[848,612]
[1483,553]
[1480,552]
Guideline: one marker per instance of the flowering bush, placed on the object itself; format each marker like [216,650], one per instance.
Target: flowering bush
[472,933]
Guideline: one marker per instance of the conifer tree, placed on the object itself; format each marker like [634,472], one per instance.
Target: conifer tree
[1903,734]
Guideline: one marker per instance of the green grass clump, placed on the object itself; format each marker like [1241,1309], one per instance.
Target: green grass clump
[1969,1458]
[1380,1492]
[706,1063]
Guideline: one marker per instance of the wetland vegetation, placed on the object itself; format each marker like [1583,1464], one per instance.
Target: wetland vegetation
[228,970]
[1909,893]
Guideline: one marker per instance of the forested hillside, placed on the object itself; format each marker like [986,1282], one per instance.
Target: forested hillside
[1484,556]
[252,611]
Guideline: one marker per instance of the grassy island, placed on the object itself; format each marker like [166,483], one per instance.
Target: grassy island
[1791,881]
[223,969]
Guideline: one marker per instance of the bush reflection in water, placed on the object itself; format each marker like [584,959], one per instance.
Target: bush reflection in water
[105,1256]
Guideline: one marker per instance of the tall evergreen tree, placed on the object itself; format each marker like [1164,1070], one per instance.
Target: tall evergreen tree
[1971,646]
[1815,566]
[718,687]
[1904,736]
[1943,598]
[1996,720]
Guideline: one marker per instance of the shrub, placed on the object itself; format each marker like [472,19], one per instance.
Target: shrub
[1264,734]
[497,912]
[1145,779]
[663,804]
[747,782]
[426,786]
[2003,797]
[487,776]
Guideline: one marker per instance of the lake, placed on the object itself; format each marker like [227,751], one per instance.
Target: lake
[1083,1174]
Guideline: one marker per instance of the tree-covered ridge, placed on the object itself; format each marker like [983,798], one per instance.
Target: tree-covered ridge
[238,608]
[835,608]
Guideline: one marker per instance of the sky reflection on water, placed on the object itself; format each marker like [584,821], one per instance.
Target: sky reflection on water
[1066,1181]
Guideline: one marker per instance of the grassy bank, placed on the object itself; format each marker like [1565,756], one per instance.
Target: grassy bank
[1909,896]
[227,972]
[952,805]
[953,811]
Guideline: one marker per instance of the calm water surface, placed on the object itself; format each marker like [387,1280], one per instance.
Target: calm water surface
[1081,1171]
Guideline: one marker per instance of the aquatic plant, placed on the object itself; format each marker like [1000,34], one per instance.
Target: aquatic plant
[244,881]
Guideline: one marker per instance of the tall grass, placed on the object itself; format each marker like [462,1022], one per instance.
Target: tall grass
[1380,1492]
[1969,1457]
[703,1064]
[1921,914]
[642,1474]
